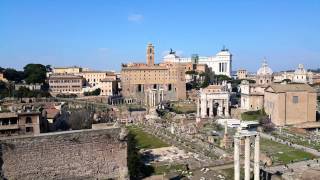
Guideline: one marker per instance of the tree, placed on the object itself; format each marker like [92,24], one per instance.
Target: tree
[220,78]
[35,73]
[96,92]
[13,75]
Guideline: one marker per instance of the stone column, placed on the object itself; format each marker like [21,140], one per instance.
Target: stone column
[236,158]
[210,108]
[162,95]
[220,108]
[203,106]
[159,98]
[247,158]
[257,157]
[226,109]
[198,107]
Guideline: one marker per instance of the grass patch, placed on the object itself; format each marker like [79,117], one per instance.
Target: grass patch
[184,108]
[168,168]
[145,140]
[253,115]
[283,154]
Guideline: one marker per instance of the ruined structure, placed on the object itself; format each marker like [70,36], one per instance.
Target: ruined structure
[83,154]
[246,135]
[213,100]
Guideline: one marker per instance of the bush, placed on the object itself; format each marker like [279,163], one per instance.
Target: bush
[67,95]
[96,92]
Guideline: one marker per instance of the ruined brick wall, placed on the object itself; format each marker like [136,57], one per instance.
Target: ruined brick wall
[84,154]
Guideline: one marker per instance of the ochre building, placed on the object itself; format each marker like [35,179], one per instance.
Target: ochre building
[153,82]
[290,104]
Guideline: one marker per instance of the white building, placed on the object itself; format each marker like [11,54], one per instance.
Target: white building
[220,64]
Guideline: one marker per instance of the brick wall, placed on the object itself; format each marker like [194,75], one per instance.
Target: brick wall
[84,154]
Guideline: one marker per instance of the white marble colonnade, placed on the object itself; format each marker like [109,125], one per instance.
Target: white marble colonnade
[247,137]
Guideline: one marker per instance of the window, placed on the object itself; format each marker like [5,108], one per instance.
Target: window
[295,99]
[29,129]
[28,120]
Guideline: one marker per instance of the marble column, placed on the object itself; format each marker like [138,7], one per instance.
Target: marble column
[210,107]
[236,157]
[220,108]
[162,95]
[257,157]
[198,107]
[247,158]
[203,106]
[226,109]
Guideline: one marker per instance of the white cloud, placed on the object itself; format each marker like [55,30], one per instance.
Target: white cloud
[135,18]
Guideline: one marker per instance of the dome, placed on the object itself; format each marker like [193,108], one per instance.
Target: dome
[264,70]
[300,69]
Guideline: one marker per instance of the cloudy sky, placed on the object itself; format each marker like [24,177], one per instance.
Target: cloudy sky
[102,34]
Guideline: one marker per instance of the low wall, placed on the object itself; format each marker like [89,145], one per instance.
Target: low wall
[83,154]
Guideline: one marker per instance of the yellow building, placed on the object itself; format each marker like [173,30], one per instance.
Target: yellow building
[290,104]
[66,70]
[165,81]
[2,78]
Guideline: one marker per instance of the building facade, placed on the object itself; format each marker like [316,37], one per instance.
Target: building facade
[290,104]
[252,96]
[138,79]
[66,70]
[24,123]
[2,78]
[220,64]
[65,84]
[242,74]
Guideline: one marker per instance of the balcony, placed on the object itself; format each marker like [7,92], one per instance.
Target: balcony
[9,126]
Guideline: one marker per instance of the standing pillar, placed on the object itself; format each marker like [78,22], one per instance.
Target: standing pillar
[220,108]
[236,158]
[226,109]
[257,157]
[203,106]
[162,95]
[210,108]
[247,158]
[159,98]
[198,107]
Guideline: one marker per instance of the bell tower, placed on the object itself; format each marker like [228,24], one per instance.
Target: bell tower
[150,55]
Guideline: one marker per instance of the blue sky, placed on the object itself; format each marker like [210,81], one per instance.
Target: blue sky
[102,34]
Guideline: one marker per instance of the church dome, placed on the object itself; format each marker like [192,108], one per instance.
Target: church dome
[265,69]
[300,70]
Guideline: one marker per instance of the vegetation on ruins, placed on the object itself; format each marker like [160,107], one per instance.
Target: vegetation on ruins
[253,115]
[96,92]
[80,119]
[283,154]
[145,140]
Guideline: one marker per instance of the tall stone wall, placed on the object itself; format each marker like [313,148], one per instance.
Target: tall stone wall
[84,154]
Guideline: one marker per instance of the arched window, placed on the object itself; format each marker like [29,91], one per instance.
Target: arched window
[28,120]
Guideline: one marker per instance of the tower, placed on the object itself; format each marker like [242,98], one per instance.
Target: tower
[150,55]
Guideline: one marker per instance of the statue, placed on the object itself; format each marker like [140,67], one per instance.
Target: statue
[171,51]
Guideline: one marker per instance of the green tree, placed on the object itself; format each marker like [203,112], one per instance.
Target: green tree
[220,78]
[35,73]
[13,75]
[96,92]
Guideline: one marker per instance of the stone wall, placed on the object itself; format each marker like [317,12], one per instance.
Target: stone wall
[83,154]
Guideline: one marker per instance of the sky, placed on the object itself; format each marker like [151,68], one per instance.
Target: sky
[102,34]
